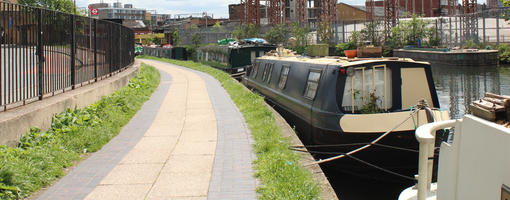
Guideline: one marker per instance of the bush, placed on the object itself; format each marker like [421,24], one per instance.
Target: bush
[504,53]
[299,49]
[352,44]
[277,34]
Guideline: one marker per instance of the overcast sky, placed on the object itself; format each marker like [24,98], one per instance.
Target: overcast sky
[219,8]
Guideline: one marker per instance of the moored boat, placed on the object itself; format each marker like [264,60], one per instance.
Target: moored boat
[232,59]
[474,163]
[341,105]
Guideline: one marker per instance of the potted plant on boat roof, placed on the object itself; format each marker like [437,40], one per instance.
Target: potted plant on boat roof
[349,49]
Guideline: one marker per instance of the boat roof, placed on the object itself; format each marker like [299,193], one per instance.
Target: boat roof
[334,60]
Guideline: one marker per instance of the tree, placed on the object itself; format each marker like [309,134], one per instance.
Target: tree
[217,27]
[66,6]
[176,37]
[370,33]
[195,39]
[413,30]
[246,31]
[194,27]
[277,34]
[300,34]
[506,4]
[324,32]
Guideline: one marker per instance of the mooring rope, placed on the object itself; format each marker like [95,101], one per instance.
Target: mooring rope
[298,148]
[366,146]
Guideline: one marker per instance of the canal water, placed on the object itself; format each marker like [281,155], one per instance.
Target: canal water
[456,87]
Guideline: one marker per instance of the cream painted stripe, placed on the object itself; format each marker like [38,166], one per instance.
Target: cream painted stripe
[382,122]
[175,157]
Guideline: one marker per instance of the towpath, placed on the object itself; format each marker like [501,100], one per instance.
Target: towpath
[189,141]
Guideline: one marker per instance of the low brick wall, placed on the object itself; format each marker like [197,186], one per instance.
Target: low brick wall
[16,122]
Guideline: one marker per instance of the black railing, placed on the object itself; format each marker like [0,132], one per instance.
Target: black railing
[45,52]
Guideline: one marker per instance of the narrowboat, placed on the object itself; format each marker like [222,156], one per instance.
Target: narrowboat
[232,59]
[338,105]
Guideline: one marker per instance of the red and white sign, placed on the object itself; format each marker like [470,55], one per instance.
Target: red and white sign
[94,11]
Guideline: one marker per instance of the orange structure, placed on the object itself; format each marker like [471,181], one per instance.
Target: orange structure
[250,10]
[276,12]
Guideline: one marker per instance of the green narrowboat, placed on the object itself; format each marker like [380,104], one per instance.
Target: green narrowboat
[232,59]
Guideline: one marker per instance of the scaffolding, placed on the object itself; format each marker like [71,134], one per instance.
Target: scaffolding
[390,14]
[301,11]
[250,12]
[328,10]
[370,10]
[470,19]
[451,8]
[276,11]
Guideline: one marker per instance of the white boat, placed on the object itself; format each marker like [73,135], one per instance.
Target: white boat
[476,164]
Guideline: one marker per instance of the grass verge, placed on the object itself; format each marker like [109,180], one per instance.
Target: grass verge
[40,157]
[276,166]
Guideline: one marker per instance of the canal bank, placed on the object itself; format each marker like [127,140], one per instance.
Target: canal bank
[228,175]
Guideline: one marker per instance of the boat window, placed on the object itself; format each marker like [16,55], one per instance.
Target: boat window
[261,53]
[366,87]
[255,70]
[312,83]
[267,72]
[283,76]
[270,70]
[253,56]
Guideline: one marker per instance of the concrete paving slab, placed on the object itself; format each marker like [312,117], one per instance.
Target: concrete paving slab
[186,184]
[195,148]
[194,163]
[123,174]
[120,192]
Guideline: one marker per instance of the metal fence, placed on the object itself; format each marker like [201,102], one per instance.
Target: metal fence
[45,52]
[492,28]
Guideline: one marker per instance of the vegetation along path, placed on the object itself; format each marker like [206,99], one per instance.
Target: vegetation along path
[188,141]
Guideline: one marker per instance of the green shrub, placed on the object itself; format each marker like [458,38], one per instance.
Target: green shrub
[504,53]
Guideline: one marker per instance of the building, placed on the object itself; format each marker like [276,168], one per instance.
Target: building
[348,13]
[235,11]
[118,12]
[428,8]
[160,19]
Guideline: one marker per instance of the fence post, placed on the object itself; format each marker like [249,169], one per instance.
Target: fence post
[450,43]
[456,32]
[461,33]
[120,49]
[497,27]
[110,41]
[483,21]
[95,49]
[336,32]
[40,53]
[73,51]
[343,32]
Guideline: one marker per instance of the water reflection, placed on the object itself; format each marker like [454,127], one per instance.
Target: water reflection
[457,86]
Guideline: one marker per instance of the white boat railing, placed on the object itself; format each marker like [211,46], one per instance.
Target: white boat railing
[426,135]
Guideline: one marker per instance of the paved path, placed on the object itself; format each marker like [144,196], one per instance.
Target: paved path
[189,141]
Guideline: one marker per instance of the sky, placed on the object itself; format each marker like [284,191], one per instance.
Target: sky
[217,8]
